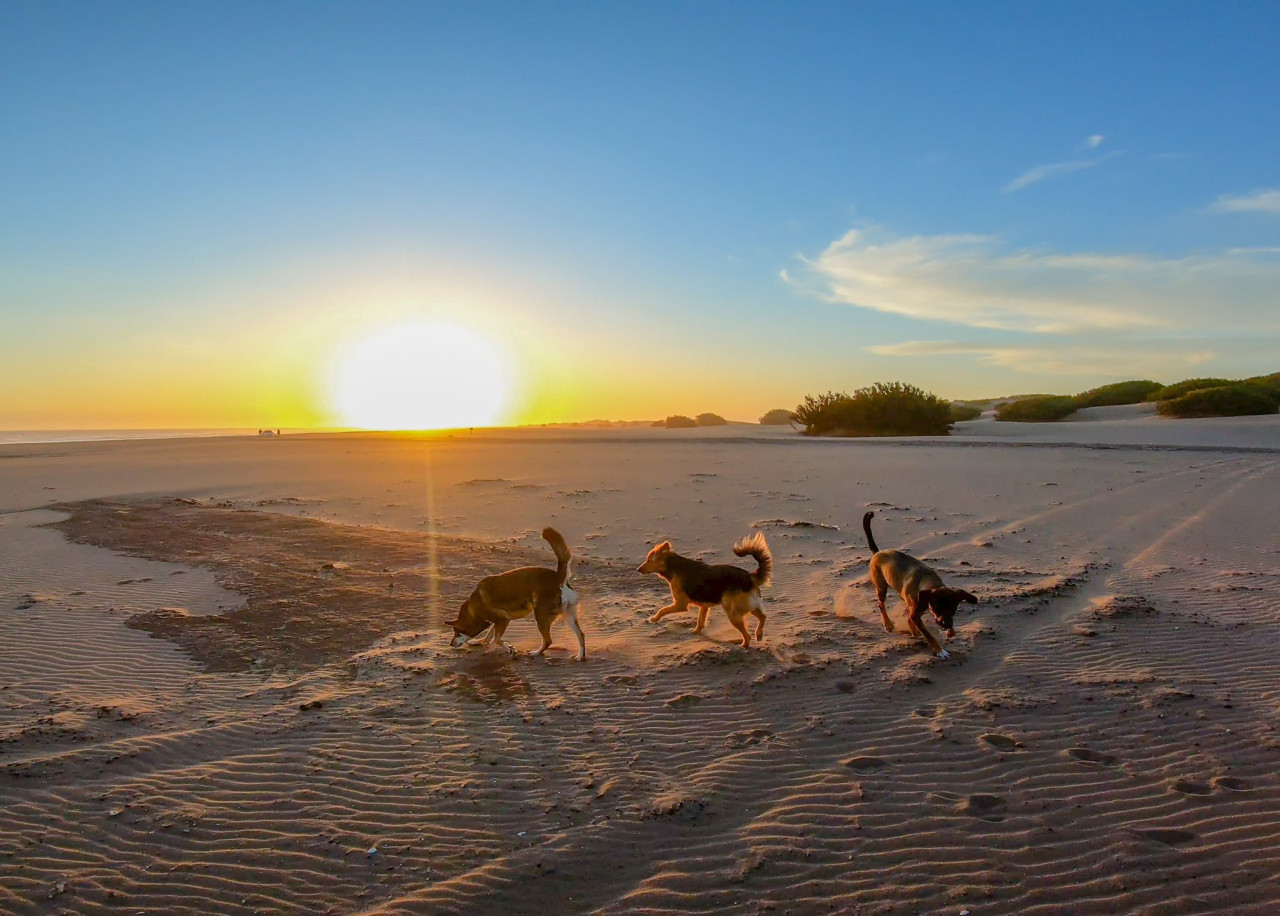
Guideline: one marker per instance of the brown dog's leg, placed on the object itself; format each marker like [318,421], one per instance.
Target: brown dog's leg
[916,622]
[544,627]
[882,589]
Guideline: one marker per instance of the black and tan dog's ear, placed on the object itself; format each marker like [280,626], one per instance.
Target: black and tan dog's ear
[965,596]
[924,598]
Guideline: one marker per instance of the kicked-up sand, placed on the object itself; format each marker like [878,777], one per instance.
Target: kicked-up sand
[226,686]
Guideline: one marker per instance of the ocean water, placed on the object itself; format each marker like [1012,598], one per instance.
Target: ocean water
[27,437]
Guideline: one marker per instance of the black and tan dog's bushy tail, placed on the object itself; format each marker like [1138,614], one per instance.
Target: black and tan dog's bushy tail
[754,545]
[866,526]
[563,556]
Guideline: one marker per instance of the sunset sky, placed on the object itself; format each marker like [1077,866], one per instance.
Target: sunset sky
[631,209]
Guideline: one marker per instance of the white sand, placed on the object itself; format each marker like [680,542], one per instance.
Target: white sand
[1102,741]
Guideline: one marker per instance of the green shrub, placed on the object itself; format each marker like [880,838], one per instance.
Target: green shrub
[711,419]
[1268,385]
[961,412]
[1178,389]
[1043,408]
[779,416]
[882,409]
[1226,401]
[1132,392]
[678,421]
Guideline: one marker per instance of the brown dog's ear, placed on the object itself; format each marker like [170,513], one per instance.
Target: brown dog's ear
[924,598]
[965,596]
[665,546]
[453,623]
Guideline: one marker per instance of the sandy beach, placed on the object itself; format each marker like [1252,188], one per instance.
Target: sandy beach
[226,686]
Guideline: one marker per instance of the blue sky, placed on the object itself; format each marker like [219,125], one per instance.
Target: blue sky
[763,200]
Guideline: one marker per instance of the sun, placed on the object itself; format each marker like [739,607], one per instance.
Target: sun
[421,375]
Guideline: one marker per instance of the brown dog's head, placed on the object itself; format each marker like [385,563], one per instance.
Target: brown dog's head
[467,625]
[656,561]
[943,603]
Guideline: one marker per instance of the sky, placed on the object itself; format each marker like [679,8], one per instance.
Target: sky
[642,209]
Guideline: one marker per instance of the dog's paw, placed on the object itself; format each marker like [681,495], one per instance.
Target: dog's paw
[943,653]
[582,656]
[654,619]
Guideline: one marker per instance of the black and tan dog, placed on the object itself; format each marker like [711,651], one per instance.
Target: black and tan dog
[920,587]
[704,586]
[517,593]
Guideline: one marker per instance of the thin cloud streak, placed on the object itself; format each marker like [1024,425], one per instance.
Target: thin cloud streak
[1053,170]
[1263,200]
[1055,359]
[975,281]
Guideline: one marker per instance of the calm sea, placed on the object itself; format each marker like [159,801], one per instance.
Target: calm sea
[20,436]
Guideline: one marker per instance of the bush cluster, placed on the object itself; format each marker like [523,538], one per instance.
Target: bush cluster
[1131,392]
[1237,400]
[882,409]
[961,412]
[711,419]
[1042,408]
[1186,386]
[779,416]
[677,421]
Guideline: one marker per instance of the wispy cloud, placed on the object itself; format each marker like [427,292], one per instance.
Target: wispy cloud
[1095,141]
[979,282]
[1054,169]
[1054,359]
[1264,200]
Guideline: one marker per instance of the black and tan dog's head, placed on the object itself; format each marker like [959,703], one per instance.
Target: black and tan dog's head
[656,561]
[943,603]
[468,624]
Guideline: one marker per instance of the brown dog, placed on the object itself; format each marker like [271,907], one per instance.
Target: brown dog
[920,588]
[517,593]
[705,586]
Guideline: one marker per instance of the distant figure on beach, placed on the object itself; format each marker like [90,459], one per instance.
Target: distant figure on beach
[268,433]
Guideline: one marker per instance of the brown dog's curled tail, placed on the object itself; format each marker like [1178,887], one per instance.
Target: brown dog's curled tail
[866,526]
[754,545]
[552,537]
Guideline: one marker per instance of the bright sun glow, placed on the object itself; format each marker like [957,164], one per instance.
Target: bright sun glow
[420,376]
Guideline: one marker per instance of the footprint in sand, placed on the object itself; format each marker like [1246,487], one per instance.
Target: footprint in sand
[684,701]
[1001,742]
[1232,783]
[925,712]
[1187,787]
[984,807]
[1085,755]
[1168,836]
[748,738]
[865,763]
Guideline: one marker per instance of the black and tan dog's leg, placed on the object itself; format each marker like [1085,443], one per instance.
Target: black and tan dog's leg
[758,612]
[703,611]
[735,608]
[677,605]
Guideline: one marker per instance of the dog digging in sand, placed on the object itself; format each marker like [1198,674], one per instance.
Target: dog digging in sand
[517,593]
[920,588]
[705,586]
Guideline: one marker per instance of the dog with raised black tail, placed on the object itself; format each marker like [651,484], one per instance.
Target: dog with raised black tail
[919,586]
[508,596]
[704,585]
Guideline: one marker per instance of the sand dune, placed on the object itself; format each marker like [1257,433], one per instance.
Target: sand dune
[225,685]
